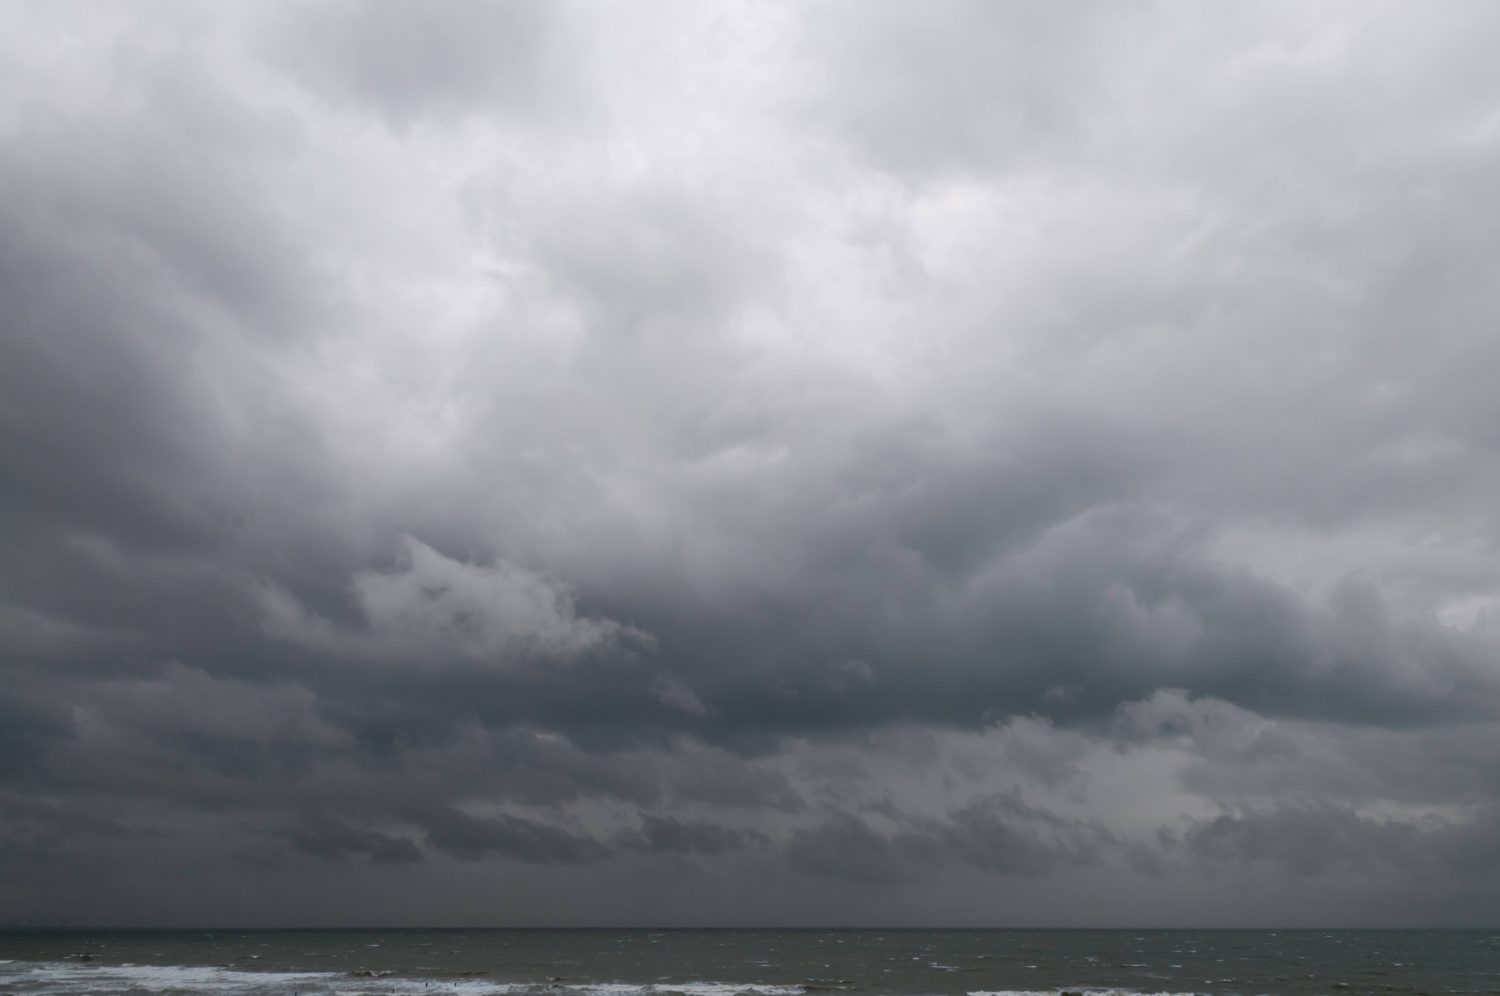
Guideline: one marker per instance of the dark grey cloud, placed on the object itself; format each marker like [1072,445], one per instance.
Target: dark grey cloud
[336,840]
[999,834]
[30,724]
[833,452]
[848,848]
[472,838]
[666,835]
[1311,839]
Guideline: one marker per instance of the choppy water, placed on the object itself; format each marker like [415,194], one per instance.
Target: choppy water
[760,962]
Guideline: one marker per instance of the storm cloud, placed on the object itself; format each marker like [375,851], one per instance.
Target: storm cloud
[836,462]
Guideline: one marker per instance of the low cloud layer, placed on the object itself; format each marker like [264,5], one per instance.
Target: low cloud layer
[819,463]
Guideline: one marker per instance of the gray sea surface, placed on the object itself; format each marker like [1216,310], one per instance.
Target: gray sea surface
[763,962]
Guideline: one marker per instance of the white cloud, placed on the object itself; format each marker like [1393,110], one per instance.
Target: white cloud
[434,609]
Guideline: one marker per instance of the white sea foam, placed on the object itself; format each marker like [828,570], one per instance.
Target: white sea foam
[72,979]
[68,978]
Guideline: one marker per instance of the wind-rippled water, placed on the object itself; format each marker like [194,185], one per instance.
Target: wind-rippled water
[760,962]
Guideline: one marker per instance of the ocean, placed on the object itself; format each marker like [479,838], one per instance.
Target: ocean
[759,962]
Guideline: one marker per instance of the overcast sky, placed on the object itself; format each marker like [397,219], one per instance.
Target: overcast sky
[717,463]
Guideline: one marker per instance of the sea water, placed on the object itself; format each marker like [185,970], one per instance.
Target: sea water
[758,962]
